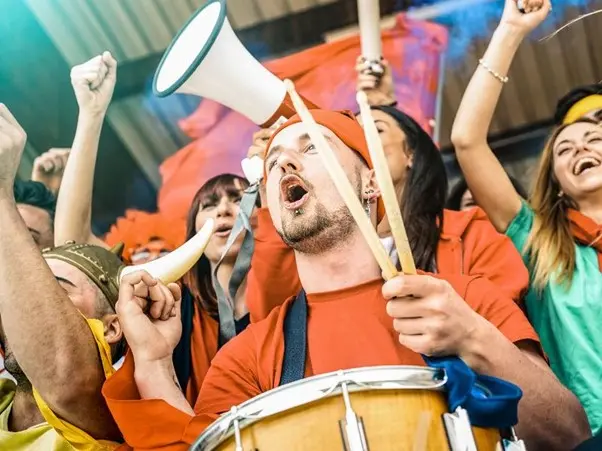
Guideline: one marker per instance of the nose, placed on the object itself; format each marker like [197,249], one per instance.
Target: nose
[224,207]
[288,162]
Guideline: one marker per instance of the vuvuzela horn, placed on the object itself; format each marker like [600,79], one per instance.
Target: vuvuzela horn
[174,265]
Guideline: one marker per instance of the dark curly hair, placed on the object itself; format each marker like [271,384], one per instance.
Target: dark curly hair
[35,194]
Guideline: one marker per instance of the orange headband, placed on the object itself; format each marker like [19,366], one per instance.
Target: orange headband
[344,125]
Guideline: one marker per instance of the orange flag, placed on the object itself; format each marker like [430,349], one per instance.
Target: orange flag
[325,75]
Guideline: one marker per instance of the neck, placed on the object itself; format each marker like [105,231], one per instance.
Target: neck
[24,413]
[224,274]
[349,264]
[591,207]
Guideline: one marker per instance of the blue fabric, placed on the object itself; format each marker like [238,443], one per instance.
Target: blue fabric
[489,401]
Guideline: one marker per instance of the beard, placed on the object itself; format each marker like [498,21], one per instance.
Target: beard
[317,230]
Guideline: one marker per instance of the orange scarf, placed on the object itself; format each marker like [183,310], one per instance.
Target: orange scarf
[586,232]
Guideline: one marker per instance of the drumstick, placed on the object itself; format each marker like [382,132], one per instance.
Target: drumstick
[385,183]
[342,184]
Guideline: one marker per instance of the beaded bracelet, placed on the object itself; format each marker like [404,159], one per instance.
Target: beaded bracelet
[492,72]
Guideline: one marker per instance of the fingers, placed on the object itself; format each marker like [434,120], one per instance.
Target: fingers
[94,71]
[367,81]
[420,344]
[54,160]
[156,296]
[177,295]
[127,287]
[413,286]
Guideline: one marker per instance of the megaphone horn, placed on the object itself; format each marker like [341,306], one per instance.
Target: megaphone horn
[207,59]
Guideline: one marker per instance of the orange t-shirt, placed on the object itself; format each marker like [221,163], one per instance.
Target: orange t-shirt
[346,329]
[469,245]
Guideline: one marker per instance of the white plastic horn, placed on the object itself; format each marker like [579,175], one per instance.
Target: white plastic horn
[174,265]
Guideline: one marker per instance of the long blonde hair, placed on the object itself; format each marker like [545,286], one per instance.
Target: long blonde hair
[550,246]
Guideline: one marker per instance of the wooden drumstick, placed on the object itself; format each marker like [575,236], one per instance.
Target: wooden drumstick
[342,184]
[387,189]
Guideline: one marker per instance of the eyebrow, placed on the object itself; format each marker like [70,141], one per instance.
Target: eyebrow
[62,279]
[279,148]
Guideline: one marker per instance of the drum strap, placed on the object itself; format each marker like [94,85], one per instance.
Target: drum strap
[225,300]
[295,341]
[489,401]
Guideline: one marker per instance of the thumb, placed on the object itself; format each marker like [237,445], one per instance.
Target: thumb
[111,64]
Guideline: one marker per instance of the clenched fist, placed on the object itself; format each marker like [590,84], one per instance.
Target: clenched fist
[12,143]
[149,313]
[48,168]
[378,87]
[94,82]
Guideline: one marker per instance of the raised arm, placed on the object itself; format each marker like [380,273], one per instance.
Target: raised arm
[37,314]
[93,83]
[485,176]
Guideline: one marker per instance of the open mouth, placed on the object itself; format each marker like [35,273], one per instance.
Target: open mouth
[585,164]
[222,230]
[293,191]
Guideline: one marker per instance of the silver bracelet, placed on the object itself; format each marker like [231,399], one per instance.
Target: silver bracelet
[484,65]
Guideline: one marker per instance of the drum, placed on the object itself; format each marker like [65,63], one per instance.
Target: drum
[375,408]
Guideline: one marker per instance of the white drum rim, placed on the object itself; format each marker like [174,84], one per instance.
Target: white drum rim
[416,377]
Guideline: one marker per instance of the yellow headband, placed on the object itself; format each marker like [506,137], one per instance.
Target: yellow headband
[583,107]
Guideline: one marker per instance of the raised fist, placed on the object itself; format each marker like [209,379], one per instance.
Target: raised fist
[48,168]
[94,82]
[378,87]
[12,143]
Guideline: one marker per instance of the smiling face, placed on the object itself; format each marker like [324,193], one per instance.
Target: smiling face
[577,159]
[304,204]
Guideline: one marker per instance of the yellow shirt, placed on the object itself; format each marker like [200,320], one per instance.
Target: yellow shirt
[55,434]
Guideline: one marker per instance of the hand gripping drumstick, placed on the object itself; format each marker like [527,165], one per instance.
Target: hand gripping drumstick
[342,184]
[385,183]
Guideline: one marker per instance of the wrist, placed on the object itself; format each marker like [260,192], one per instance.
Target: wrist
[510,34]
[92,115]
[146,372]
[476,345]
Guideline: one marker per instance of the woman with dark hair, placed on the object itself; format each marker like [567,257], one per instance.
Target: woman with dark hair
[461,198]
[217,199]
[442,241]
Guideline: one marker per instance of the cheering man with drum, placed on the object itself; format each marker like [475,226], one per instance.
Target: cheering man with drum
[349,319]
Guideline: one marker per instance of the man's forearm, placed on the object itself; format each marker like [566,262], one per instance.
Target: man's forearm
[158,380]
[550,416]
[36,313]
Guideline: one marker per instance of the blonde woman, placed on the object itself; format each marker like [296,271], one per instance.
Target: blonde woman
[557,232]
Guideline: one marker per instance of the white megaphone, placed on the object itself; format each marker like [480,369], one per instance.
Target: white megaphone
[207,59]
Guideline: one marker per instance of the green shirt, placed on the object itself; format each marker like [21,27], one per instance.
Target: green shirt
[568,321]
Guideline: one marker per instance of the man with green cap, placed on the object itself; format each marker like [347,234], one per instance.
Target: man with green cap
[60,337]
[58,327]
